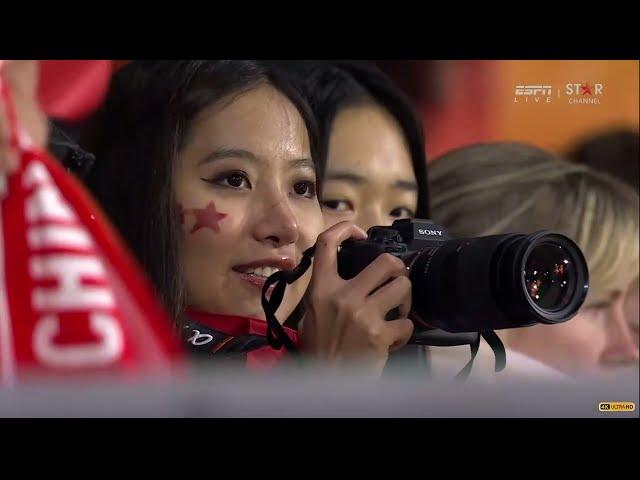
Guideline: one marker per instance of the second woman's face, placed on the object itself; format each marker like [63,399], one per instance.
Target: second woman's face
[245,184]
[369,176]
[600,339]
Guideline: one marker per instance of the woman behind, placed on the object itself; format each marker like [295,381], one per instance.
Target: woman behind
[500,188]
[372,154]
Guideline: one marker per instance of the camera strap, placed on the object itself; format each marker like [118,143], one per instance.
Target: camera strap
[276,335]
[498,350]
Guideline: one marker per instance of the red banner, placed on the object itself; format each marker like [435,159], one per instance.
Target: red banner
[73,89]
[72,299]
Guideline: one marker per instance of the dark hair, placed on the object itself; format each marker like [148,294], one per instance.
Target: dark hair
[614,151]
[333,86]
[136,137]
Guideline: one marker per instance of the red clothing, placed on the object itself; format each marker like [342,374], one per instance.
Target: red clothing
[242,336]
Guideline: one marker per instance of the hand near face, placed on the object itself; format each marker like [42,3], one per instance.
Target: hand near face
[22,79]
[345,320]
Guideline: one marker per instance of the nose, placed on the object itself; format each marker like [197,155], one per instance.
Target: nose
[277,224]
[621,347]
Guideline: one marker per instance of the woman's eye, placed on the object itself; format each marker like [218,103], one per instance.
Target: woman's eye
[337,205]
[236,180]
[401,212]
[305,189]
[232,180]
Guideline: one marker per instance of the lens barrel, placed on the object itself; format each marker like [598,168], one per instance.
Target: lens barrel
[498,281]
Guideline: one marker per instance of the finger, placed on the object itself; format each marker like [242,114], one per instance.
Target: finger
[385,267]
[22,79]
[22,76]
[395,294]
[325,262]
[399,332]
[8,160]
[8,156]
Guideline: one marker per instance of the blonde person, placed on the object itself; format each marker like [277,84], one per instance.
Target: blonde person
[498,188]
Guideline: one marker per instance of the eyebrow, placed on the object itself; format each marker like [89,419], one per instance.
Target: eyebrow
[404,185]
[302,163]
[222,153]
[347,177]
[360,179]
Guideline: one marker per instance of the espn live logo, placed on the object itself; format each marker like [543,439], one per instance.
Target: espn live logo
[533,90]
[616,406]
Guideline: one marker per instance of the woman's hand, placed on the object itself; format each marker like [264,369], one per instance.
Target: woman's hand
[22,79]
[345,319]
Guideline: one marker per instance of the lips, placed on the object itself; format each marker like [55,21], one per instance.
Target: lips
[256,273]
[264,272]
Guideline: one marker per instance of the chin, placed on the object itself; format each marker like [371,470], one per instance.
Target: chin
[251,311]
[258,315]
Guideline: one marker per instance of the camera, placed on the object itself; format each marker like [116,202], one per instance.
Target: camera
[475,284]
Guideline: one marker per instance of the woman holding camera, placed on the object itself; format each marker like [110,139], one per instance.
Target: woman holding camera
[208,169]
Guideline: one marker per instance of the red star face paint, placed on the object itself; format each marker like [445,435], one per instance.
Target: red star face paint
[207,217]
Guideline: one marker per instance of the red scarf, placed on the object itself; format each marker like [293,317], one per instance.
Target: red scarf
[72,299]
[260,359]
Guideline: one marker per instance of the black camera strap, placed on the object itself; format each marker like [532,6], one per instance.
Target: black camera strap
[278,337]
[497,346]
[498,350]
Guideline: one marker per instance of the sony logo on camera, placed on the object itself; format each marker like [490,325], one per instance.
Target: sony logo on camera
[422,231]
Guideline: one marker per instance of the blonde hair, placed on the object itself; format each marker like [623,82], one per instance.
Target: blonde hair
[498,188]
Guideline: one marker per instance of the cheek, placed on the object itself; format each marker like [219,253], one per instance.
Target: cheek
[207,217]
[330,219]
[311,223]
[631,308]
[212,222]
[572,345]
[579,337]
[211,233]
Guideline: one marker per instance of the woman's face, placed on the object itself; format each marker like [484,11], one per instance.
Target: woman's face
[369,176]
[600,339]
[245,184]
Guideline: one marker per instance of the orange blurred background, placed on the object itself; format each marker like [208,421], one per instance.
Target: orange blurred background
[473,101]
[468,101]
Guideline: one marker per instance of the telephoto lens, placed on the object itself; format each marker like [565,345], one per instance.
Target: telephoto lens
[499,281]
